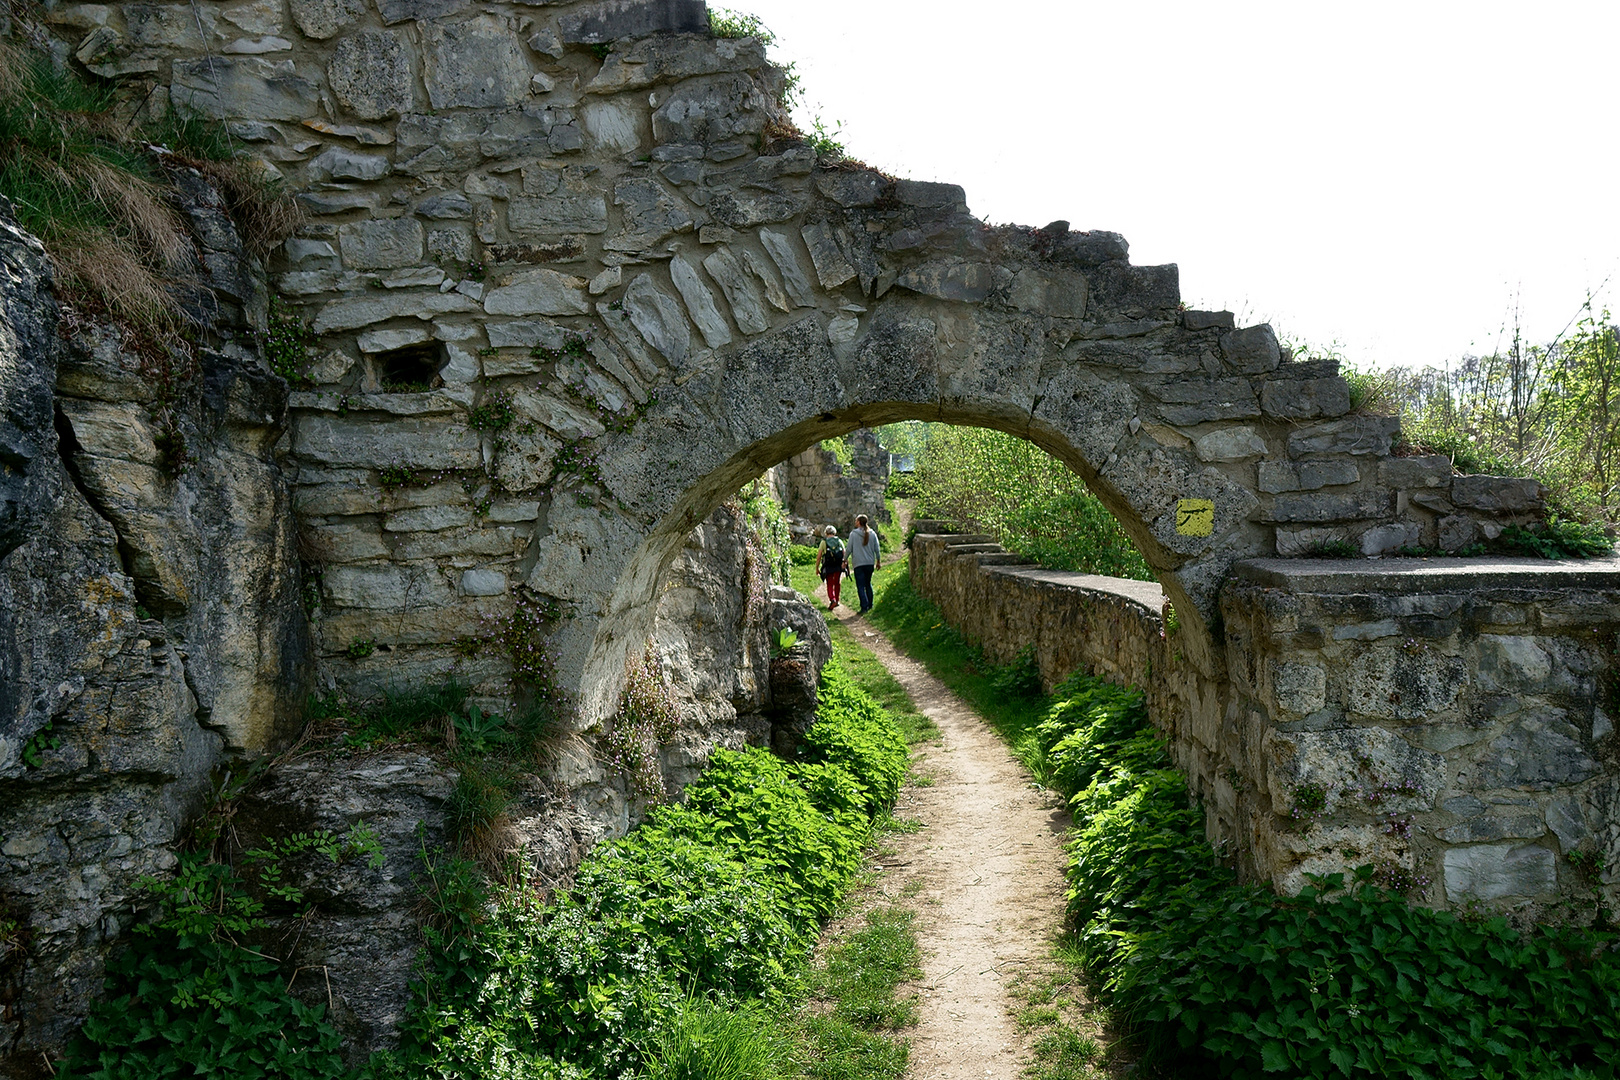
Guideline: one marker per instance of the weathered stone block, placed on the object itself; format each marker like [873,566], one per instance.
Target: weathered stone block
[747,307]
[539,292]
[1383,539]
[1427,471]
[338,163]
[928,195]
[1499,871]
[483,582]
[1208,320]
[376,341]
[1252,350]
[1404,684]
[1352,435]
[861,188]
[1322,507]
[1229,444]
[321,19]
[700,303]
[1487,827]
[558,214]
[381,243]
[1458,531]
[1060,293]
[1537,752]
[525,459]
[445,205]
[370,75]
[428,519]
[651,214]
[424,11]
[613,20]
[1499,494]
[1350,764]
[1280,476]
[708,110]
[477,64]
[391,588]
[362,444]
[352,314]
[658,317]
[1299,687]
[220,87]
[780,248]
[832,267]
[1196,400]
[1305,399]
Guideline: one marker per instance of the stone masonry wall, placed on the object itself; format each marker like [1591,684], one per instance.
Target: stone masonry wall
[573,280]
[1107,626]
[1448,721]
[823,492]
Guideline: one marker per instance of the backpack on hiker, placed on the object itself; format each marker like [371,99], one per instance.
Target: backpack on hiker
[832,559]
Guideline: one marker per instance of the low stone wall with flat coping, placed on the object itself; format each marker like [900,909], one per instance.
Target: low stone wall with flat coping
[1448,722]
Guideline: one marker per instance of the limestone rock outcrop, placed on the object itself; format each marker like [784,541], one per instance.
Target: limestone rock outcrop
[149,610]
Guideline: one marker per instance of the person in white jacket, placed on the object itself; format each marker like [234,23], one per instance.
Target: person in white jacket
[864,559]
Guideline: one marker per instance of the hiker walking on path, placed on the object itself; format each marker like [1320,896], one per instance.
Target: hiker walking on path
[864,558]
[831,564]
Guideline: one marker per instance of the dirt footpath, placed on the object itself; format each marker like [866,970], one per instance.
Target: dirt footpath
[987,873]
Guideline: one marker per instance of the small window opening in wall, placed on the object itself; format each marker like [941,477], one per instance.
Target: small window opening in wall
[410,370]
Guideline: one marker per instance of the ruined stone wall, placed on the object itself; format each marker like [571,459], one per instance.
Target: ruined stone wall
[150,621]
[824,492]
[1112,627]
[572,281]
[1447,721]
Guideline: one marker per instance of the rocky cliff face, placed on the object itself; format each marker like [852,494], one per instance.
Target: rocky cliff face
[149,612]
[152,631]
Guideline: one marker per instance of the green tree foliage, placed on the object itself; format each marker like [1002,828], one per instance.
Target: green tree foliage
[1551,411]
[1031,502]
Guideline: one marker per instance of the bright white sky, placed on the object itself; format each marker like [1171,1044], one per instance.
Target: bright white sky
[1392,177]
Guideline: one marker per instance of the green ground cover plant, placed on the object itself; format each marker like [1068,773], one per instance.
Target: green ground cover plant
[680,947]
[1345,979]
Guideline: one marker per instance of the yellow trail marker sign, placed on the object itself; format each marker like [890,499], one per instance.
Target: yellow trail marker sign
[1195,517]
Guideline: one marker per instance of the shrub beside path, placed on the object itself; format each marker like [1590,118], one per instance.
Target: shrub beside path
[985,873]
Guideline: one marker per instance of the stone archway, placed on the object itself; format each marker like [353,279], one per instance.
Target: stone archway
[641,288]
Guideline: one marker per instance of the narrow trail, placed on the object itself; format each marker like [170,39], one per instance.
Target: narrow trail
[985,874]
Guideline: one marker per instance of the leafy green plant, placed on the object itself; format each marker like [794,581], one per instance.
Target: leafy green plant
[494,413]
[478,732]
[33,751]
[190,997]
[1331,549]
[361,647]
[824,140]
[1344,980]
[715,901]
[285,343]
[783,639]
